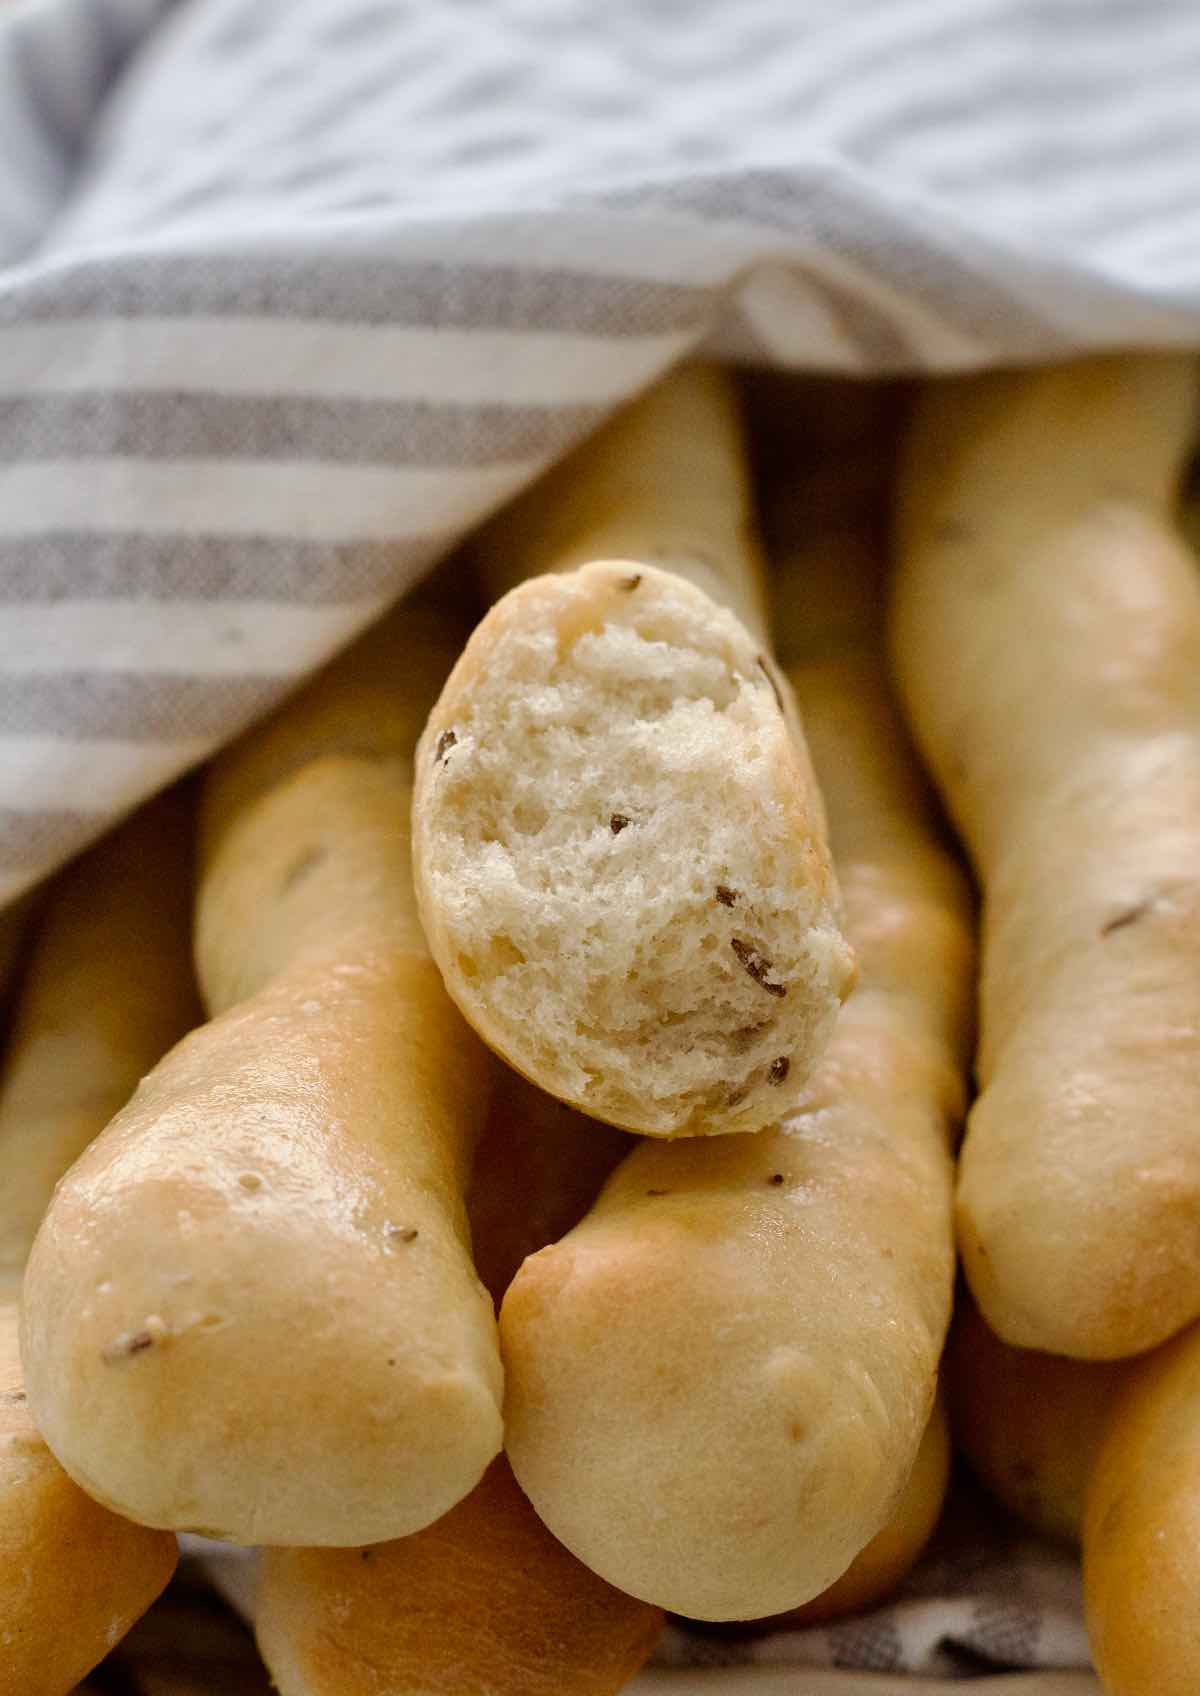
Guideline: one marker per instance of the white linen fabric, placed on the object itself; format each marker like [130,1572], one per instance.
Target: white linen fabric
[293,292]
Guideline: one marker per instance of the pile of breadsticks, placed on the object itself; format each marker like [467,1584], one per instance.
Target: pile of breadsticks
[490,1140]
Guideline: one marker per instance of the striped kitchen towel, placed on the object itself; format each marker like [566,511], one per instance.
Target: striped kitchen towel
[293,292]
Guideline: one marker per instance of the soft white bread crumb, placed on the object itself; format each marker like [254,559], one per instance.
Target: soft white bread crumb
[620,855]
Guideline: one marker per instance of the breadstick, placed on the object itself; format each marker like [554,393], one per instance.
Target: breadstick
[881,1567]
[665,483]
[73,1576]
[718,1382]
[108,989]
[251,1309]
[1141,1530]
[830,601]
[619,846]
[1046,632]
[1030,1424]
[485,1601]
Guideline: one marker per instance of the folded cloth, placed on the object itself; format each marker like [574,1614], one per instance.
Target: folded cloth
[293,292]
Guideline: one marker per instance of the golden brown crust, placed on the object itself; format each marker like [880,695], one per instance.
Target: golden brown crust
[371,704]
[1030,1424]
[1141,1531]
[735,1457]
[73,1577]
[881,1567]
[108,989]
[278,1213]
[485,1600]
[304,1264]
[1046,632]
[666,482]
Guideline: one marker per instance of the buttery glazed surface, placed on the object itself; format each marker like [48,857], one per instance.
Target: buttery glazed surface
[486,1599]
[107,989]
[1141,1530]
[733,1458]
[73,1576]
[252,1309]
[1046,632]
[667,482]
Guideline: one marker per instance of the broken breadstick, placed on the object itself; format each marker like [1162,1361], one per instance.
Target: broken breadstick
[732,1458]
[620,850]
